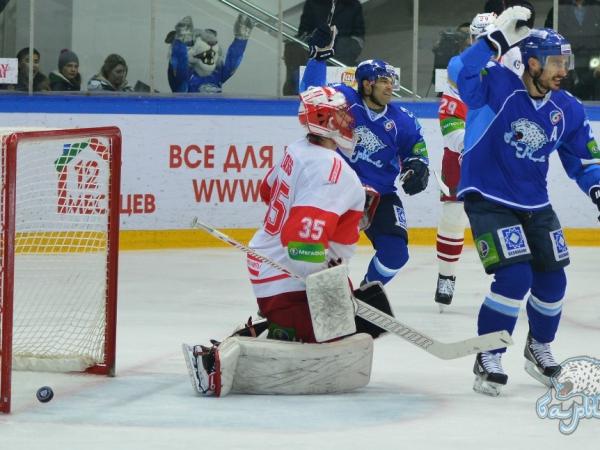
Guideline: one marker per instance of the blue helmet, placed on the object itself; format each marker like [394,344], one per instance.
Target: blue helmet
[544,42]
[372,69]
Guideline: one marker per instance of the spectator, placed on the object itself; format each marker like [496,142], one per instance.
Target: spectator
[112,76]
[495,6]
[40,81]
[579,22]
[67,77]
[348,18]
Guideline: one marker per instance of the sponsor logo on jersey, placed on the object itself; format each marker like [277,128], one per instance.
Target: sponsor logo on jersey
[303,251]
[555,117]
[593,148]
[574,394]
[513,242]
[526,137]
[559,245]
[488,254]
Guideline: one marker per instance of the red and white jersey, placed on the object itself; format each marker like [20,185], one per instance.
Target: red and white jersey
[315,204]
[452,114]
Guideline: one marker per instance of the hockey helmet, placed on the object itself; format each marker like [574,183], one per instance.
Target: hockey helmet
[324,112]
[373,69]
[545,42]
[480,23]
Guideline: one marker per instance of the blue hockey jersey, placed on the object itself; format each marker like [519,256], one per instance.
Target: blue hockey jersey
[385,139]
[509,136]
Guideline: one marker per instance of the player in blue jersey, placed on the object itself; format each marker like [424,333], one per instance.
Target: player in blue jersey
[390,151]
[512,127]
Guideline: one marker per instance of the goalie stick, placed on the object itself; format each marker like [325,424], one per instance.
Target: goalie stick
[442,350]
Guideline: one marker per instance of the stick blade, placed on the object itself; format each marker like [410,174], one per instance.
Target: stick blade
[472,346]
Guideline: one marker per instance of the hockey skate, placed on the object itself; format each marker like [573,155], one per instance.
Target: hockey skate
[489,375]
[444,291]
[539,361]
[203,367]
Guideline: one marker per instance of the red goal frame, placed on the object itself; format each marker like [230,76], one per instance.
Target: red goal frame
[113,134]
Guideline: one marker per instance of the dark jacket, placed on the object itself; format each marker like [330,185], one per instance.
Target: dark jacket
[58,82]
[348,18]
[40,83]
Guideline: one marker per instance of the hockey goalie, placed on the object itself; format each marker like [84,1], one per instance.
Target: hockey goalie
[309,340]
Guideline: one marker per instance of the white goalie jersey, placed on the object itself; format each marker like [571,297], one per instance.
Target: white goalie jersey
[315,203]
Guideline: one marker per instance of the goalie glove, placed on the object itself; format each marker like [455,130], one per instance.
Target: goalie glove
[595,196]
[414,176]
[321,42]
[509,29]
[243,27]
[371,202]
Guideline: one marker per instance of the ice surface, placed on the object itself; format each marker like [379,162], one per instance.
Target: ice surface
[413,400]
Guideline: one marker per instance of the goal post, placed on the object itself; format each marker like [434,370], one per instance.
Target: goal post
[59,206]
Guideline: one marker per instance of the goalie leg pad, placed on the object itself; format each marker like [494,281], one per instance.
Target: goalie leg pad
[372,294]
[265,366]
[330,302]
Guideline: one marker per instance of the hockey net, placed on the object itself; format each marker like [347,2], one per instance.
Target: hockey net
[59,251]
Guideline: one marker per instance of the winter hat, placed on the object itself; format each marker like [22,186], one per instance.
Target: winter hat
[66,56]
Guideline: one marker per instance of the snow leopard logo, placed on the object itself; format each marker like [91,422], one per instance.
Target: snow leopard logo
[368,144]
[527,137]
[574,395]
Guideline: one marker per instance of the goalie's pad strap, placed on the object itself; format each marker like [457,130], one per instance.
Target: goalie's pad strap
[265,366]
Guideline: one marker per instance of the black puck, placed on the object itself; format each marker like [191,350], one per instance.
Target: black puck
[44,394]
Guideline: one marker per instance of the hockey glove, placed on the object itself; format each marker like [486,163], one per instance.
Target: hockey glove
[509,29]
[414,176]
[371,202]
[321,42]
[243,27]
[595,196]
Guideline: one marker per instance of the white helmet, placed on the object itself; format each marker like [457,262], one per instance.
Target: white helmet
[480,23]
[324,112]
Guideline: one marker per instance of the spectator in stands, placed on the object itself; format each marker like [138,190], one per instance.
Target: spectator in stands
[348,18]
[67,77]
[112,76]
[579,22]
[40,81]
[495,6]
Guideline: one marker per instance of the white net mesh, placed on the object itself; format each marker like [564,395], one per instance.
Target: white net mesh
[60,270]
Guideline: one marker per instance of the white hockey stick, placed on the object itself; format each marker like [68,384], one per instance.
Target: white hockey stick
[451,350]
[440,183]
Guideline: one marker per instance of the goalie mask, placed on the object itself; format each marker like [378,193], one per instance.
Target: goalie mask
[205,54]
[324,112]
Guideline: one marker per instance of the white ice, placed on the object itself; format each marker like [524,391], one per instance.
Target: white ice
[413,400]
